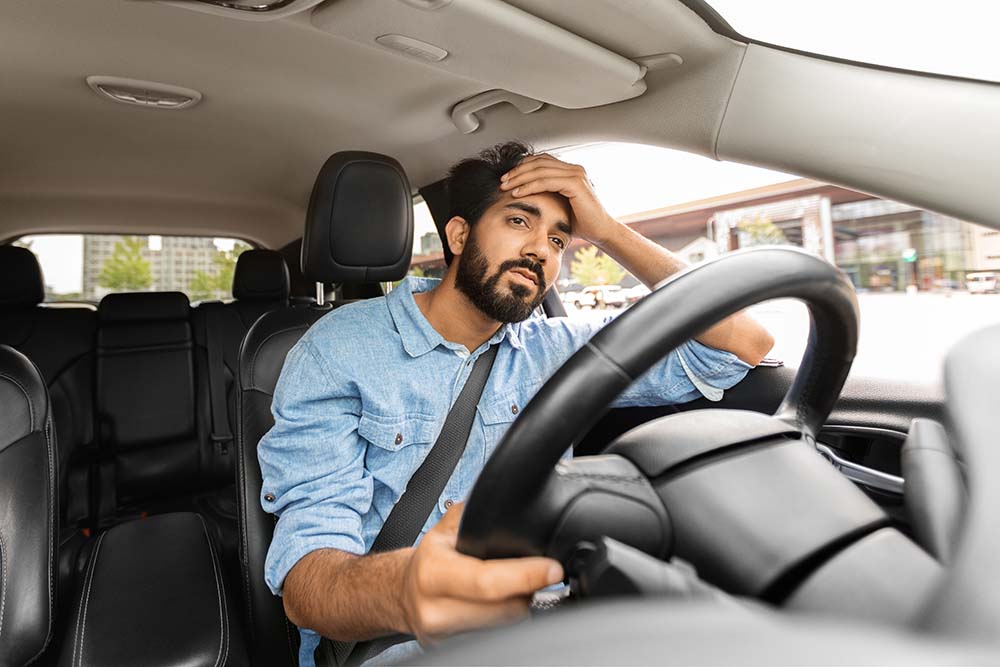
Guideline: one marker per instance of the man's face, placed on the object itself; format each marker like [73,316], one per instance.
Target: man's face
[513,254]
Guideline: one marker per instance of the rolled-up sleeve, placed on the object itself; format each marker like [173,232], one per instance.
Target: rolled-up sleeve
[312,464]
[689,372]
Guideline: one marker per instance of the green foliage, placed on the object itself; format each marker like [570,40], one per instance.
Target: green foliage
[126,269]
[760,230]
[218,284]
[591,267]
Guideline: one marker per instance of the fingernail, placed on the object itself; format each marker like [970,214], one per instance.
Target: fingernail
[504,177]
[517,191]
[555,574]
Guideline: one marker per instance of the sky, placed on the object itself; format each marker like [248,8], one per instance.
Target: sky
[957,37]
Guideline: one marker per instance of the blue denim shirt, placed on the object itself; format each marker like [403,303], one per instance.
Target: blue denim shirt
[363,395]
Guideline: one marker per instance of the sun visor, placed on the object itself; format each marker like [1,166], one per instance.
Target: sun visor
[491,42]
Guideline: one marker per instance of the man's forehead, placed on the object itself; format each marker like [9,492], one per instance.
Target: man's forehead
[550,207]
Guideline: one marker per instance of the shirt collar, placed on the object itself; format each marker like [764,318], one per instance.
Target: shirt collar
[416,333]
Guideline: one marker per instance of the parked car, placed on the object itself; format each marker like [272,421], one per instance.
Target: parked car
[606,296]
[981,282]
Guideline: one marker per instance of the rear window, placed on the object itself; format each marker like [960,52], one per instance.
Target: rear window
[85,267]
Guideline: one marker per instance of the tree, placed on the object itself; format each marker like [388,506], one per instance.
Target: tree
[590,267]
[126,269]
[219,283]
[760,230]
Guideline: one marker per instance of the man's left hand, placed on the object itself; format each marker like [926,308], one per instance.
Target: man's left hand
[544,173]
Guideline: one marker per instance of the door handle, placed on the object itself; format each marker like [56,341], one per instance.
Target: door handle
[862,474]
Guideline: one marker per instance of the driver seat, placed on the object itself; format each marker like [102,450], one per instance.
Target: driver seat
[359,229]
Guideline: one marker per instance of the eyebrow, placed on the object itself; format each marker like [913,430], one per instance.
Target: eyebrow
[531,209]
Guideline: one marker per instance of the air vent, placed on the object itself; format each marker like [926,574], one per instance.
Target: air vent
[149,94]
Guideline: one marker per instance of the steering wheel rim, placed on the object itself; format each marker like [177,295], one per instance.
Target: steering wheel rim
[627,347]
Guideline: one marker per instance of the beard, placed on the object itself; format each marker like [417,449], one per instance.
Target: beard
[485,292]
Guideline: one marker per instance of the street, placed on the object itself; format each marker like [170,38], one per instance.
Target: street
[903,336]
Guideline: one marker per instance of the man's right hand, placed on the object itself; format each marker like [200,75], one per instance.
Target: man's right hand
[445,592]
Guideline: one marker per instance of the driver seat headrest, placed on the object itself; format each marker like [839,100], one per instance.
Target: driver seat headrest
[359,226]
[21,283]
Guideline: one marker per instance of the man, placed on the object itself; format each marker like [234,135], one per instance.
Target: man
[365,392]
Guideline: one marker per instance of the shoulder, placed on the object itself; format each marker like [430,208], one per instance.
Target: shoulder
[554,330]
[346,332]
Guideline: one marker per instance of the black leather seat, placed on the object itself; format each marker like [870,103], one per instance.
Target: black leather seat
[28,519]
[153,595]
[260,285]
[60,341]
[148,423]
[359,229]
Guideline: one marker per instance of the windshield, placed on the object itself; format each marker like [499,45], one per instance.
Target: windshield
[953,38]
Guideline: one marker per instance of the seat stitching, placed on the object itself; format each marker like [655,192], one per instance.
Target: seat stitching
[3,580]
[50,563]
[85,604]
[243,514]
[224,639]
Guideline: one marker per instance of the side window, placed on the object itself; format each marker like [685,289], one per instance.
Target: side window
[428,255]
[923,279]
[85,267]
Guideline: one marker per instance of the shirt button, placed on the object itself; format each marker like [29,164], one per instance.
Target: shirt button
[448,504]
[269,497]
[399,438]
[513,409]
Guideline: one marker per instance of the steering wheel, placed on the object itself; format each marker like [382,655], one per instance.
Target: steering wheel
[743,496]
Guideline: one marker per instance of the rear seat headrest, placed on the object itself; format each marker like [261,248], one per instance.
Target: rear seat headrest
[359,226]
[260,275]
[143,306]
[21,281]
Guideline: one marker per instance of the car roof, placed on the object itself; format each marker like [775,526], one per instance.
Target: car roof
[280,96]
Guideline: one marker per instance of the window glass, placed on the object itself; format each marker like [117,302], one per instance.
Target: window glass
[923,279]
[955,38]
[428,255]
[85,267]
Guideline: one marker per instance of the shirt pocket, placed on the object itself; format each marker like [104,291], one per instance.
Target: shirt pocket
[397,445]
[497,415]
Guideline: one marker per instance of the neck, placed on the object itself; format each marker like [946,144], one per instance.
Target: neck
[453,316]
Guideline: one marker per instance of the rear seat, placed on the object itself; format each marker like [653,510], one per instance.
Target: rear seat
[146,397]
[260,285]
[130,390]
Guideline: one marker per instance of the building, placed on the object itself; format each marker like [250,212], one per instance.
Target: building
[174,261]
[880,244]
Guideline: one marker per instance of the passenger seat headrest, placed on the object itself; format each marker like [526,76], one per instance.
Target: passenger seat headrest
[21,281]
[143,307]
[260,275]
[359,226]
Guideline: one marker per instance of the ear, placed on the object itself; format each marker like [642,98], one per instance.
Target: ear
[457,232]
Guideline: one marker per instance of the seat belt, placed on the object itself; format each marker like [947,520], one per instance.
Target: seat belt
[410,513]
[221,435]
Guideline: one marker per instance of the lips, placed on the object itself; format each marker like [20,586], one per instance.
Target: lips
[526,274]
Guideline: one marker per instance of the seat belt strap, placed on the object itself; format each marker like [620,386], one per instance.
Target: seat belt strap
[410,513]
[221,435]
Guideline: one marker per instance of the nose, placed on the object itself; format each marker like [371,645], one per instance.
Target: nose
[537,248]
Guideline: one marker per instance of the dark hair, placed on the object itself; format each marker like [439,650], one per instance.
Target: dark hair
[474,183]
